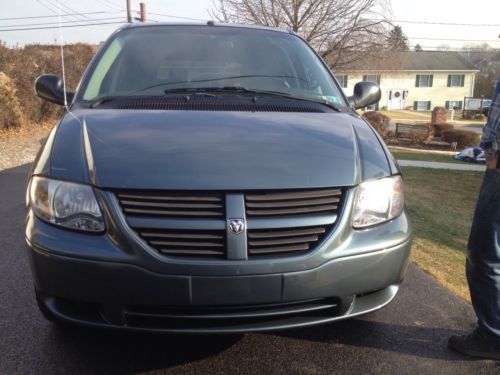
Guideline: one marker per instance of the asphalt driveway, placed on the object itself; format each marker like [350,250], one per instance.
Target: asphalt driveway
[408,336]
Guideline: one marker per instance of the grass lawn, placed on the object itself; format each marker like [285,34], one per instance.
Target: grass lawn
[441,205]
[408,155]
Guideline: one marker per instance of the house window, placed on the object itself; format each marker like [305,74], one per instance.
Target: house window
[424,80]
[456,80]
[422,105]
[342,80]
[450,104]
[372,78]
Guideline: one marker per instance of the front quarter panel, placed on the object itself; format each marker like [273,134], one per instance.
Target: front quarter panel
[374,162]
[68,160]
[41,164]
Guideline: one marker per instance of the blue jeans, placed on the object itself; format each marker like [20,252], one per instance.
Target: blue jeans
[483,254]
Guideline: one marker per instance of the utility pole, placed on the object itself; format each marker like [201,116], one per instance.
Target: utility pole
[143,12]
[129,12]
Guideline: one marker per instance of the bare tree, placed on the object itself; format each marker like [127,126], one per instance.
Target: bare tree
[338,29]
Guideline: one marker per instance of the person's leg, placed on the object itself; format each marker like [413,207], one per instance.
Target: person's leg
[483,272]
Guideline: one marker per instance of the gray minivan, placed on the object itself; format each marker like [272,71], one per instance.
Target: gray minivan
[212,178]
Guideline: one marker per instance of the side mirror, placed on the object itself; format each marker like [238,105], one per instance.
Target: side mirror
[50,87]
[365,93]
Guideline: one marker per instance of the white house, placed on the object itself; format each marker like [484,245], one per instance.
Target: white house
[422,81]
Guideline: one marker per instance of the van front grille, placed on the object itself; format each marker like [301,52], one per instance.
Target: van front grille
[172,204]
[186,243]
[292,203]
[194,225]
[290,241]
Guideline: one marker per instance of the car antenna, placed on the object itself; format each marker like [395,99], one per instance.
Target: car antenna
[62,54]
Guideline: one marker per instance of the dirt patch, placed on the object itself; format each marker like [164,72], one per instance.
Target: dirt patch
[20,146]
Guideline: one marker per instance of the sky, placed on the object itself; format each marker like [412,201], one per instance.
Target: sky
[424,14]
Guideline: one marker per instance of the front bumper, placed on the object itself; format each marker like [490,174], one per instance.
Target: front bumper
[115,280]
[125,296]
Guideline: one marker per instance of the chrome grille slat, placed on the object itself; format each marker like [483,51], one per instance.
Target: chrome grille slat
[288,233]
[171,205]
[291,211]
[192,213]
[186,244]
[283,241]
[279,249]
[200,236]
[190,252]
[174,198]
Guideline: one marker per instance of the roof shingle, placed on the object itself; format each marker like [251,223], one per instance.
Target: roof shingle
[432,60]
[411,60]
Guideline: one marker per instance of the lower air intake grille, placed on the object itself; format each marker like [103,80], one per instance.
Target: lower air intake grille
[186,243]
[288,241]
[304,202]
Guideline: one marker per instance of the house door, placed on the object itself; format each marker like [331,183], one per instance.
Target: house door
[397,99]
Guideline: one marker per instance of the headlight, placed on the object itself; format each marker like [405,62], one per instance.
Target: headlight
[378,201]
[67,204]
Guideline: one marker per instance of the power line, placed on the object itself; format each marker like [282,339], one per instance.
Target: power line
[110,4]
[62,22]
[449,23]
[55,11]
[66,15]
[455,40]
[455,49]
[62,26]
[58,4]
[51,16]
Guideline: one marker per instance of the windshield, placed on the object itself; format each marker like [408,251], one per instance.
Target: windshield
[158,59]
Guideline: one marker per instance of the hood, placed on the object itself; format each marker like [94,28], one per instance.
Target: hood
[137,149]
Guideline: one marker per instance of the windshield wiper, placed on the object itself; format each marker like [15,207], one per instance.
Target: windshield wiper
[206,90]
[241,89]
[220,79]
[104,99]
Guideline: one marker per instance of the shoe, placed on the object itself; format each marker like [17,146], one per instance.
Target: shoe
[479,343]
